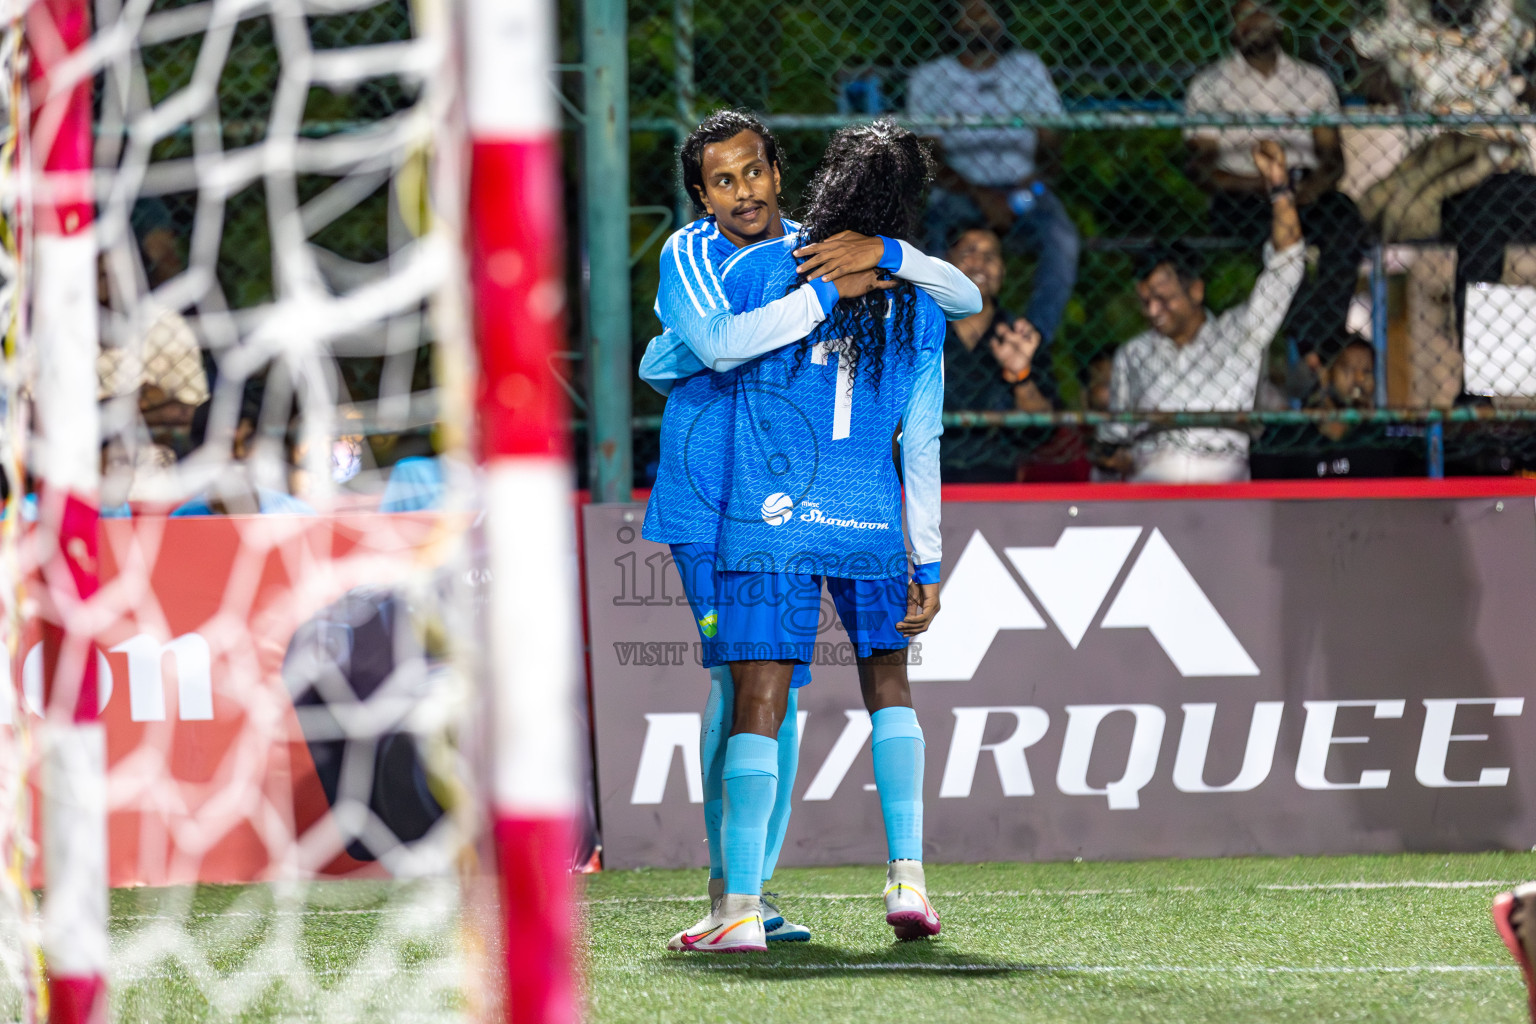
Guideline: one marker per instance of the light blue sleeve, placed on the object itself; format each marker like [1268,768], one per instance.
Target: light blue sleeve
[921,426]
[415,485]
[666,361]
[691,303]
[956,294]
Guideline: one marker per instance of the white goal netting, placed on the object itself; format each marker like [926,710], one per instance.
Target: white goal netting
[287,608]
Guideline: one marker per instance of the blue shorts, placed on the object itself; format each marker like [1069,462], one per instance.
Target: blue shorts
[774,616]
[701,584]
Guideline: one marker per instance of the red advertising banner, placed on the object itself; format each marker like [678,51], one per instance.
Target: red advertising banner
[209,775]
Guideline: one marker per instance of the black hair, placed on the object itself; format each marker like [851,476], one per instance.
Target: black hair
[407,444]
[1085,368]
[252,397]
[1179,257]
[198,430]
[1453,15]
[963,227]
[717,127]
[1331,348]
[873,179]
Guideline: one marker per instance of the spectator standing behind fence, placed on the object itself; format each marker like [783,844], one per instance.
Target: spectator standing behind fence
[992,363]
[1469,185]
[1259,78]
[997,176]
[1194,361]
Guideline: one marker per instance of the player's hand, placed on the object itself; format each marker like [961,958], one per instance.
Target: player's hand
[846,252]
[1014,345]
[851,286]
[1269,158]
[922,606]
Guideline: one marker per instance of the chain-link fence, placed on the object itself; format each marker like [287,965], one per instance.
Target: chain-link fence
[1103,155]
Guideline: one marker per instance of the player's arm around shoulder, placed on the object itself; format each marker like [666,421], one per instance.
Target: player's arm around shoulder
[956,295]
[849,253]
[750,318]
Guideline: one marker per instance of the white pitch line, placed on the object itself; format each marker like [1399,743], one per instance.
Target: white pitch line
[1007,968]
[1393,885]
[1148,890]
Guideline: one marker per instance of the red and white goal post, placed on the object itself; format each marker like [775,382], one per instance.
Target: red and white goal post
[225,734]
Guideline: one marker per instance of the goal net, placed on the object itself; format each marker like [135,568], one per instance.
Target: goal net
[248,750]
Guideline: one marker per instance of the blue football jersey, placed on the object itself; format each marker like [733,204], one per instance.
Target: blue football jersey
[814,487]
[702,333]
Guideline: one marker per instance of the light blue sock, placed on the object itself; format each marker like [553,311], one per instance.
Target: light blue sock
[751,780]
[898,748]
[789,760]
[714,727]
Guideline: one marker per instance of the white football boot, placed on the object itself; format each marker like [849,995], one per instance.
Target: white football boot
[734,925]
[778,927]
[907,909]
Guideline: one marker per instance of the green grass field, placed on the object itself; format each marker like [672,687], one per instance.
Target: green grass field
[1404,938]
[1311,939]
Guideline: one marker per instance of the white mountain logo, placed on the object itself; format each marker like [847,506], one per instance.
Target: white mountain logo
[1071,582]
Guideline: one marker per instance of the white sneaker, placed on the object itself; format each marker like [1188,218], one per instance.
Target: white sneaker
[777,927]
[907,909]
[735,925]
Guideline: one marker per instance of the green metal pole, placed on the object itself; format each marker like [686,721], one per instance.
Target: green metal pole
[687,115]
[605,194]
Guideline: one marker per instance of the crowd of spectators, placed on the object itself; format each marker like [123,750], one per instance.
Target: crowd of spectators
[162,431]
[1465,185]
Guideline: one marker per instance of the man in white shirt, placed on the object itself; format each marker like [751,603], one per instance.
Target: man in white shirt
[1194,361]
[996,177]
[1259,78]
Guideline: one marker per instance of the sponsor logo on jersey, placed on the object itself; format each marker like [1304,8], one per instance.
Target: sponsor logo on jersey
[810,513]
[777,508]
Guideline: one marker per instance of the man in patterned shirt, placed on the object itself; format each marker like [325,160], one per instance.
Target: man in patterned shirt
[1193,361]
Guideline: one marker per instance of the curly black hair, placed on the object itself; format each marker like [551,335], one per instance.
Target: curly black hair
[873,179]
[717,127]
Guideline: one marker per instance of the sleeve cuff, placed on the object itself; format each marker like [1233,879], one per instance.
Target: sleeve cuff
[928,572]
[890,260]
[826,293]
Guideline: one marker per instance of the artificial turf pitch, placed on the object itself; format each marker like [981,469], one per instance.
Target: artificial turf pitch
[1404,938]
